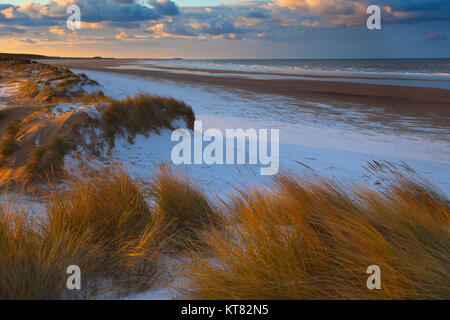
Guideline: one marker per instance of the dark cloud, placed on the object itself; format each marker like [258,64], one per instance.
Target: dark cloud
[257,15]
[414,11]
[165,7]
[218,27]
[53,13]
[171,30]
[9,31]
[123,1]
[5,6]
[102,10]
[414,5]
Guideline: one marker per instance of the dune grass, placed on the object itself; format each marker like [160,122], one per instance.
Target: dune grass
[48,159]
[113,206]
[298,239]
[45,83]
[100,222]
[8,143]
[142,114]
[32,263]
[312,240]
[44,87]
[182,203]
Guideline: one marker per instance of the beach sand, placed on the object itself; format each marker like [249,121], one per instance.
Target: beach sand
[383,104]
[333,127]
[416,101]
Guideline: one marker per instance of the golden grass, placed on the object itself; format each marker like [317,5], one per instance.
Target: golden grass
[48,86]
[48,159]
[45,83]
[296,240]
[100,222]
[312,240]
[113,206]
[142,114]
[33,263]
[180,202]
[94,97]
[8,144]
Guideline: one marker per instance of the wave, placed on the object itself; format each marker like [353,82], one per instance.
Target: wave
[372,68]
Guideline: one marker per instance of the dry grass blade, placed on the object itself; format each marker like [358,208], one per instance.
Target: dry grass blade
[312,240]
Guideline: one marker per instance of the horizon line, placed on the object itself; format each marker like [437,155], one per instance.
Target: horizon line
[211,58]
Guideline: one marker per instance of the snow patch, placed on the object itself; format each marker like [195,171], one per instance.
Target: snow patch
[90,109]
[317,135]
[8,91]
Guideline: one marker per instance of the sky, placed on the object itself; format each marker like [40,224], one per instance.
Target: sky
[283,29]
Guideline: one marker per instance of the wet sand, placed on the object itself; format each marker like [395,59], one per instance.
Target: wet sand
[432,104]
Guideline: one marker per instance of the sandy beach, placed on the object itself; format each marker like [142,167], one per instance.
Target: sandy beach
[334,127]
[383,103]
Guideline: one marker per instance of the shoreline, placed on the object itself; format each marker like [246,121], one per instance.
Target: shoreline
[333,142]
[381,103]
[416,101]
[280,74]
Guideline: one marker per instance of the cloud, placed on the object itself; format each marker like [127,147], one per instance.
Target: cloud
[8,13]
[123,24]
[272,20]
[92,25]
[33,10]
[165,7]
[59,31]
[54,12]
[10,31]
[338,13]
[218,27]
[323,7]
[123,1]
[102,10]
[22,40]
[129,37]
[257,15]
[170,31]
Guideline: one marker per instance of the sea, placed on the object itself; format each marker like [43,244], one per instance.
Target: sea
[421,72]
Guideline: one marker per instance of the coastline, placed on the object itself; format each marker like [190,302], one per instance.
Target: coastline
[335,142]
[422,102]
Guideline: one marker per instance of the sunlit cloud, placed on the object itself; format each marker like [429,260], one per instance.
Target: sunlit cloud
[22,40]
[293,22]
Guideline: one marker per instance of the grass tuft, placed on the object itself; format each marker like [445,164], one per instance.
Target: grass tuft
[48,159]
[8,144]
[33,264]
[113,207]
[182,204]
[312,240]
[142,114]
[100,222]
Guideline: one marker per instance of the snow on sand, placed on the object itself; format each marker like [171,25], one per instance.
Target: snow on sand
[326,143]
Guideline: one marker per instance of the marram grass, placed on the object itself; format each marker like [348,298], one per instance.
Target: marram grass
[313,240]
[297,239]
